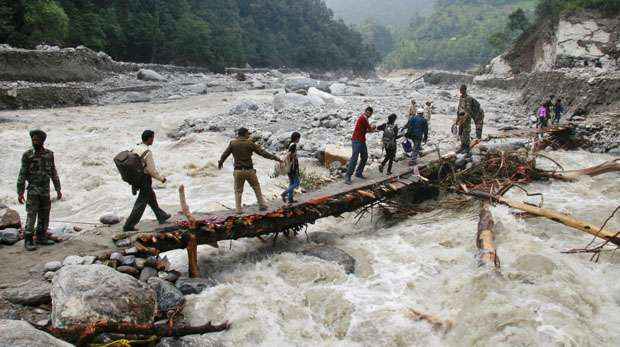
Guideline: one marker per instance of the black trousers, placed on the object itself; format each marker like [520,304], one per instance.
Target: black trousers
[390,155]
[146,196]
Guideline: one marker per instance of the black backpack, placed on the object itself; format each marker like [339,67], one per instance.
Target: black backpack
[131,167]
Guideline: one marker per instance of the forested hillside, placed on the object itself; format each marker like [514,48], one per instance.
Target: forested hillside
[457,35]
[384,12]
[213,33]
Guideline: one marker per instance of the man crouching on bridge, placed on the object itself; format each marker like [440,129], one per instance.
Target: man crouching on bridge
[242,149]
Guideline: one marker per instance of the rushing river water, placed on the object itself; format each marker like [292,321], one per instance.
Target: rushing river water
[276,297]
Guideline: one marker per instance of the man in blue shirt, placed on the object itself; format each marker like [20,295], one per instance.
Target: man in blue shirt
[417,131]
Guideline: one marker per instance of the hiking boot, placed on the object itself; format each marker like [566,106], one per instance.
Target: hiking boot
[263,208]
[283,196]
[347,180]
[360,176]
[29,244]
[292,202]
[163,220]
[389,173]
[44,241]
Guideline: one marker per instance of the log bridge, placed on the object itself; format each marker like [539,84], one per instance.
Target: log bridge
[334,200]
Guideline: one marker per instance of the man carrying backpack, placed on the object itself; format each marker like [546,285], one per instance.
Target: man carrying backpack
[146,194]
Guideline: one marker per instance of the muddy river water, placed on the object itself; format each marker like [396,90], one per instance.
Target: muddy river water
[277,297]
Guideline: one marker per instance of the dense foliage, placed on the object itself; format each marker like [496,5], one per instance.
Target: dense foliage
[213,33]
[549,8]
[456,35]
[377,36]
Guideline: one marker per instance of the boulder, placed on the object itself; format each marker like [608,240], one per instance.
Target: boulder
[198,88]
[170,276]
[332,254]
[110,219]
[9,236]
[283,101]
[242,107]
[150,75]
[147,272]
[90,293]
[169,298]
[48,276]
[9,218]
[63,233]
[53,266]
[326,97]
[130,270]
[258,85]
[73,260]
[19,333]
[338,89]
[31,293]
[293,85]
[189,286]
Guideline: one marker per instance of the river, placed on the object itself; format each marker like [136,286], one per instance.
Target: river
[276,297]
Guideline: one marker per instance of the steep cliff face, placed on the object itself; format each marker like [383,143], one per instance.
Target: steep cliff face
[577,39]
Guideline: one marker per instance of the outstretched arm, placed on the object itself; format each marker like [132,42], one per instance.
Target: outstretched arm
[224,156]
[263,153]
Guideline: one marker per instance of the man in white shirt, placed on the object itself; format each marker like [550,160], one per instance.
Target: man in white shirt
[146,195]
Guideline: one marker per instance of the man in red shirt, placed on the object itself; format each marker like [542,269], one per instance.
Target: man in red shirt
[362,126]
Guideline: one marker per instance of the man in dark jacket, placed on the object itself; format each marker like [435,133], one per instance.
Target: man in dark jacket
[417,131]
[390,135]
[37,169]
[242,149]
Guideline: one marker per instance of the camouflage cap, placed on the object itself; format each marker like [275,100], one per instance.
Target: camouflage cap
[38,132]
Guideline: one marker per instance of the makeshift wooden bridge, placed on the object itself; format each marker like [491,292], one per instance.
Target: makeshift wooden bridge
[333,200]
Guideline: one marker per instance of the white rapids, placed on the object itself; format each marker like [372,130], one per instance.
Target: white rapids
[275,297]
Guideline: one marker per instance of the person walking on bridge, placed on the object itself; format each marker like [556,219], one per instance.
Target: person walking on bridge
[37,169]
[358,142]
[146,194]
[417,132]
[293,172]
[242,148]
[390,135]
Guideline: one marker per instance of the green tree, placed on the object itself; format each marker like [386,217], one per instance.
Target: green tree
[7,20]
[378,36]
[517,21]
[45,22]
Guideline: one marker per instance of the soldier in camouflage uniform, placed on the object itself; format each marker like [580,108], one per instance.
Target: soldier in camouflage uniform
[38,168]
[468,110]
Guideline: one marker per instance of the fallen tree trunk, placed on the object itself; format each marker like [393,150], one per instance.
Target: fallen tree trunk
[606,167]
[84,334]
[485,239]
[209,229]
[550,214]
